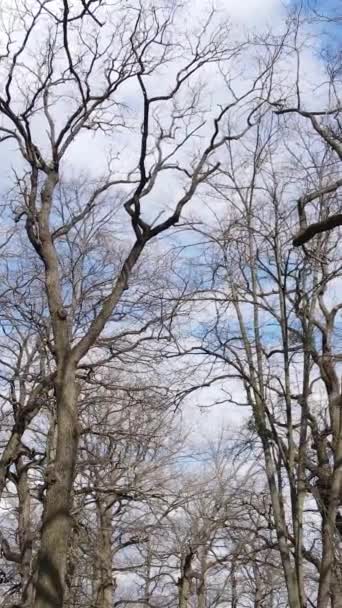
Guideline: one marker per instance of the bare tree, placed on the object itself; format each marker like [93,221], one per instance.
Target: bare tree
[76,78]
[272,329]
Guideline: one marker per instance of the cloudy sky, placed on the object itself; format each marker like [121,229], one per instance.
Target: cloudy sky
[88,155]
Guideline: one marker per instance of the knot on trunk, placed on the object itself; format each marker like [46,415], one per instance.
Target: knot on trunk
[62,313]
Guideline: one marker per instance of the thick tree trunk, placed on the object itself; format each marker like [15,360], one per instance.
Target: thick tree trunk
[56,527]
[184,592]
[201,588]
[105,590]
[184,581]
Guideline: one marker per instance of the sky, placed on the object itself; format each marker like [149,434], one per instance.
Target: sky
[208,413]
[88,156]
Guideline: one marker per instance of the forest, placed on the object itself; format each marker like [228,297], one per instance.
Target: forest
[170,304]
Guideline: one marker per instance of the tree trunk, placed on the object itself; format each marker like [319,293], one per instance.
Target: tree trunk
[56,527]
[258,401]
[184,581]
[201,589]
[258,595]
[24,417]
[234,601]
[25,534]
[105,590]
[327,582]
[336,587]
